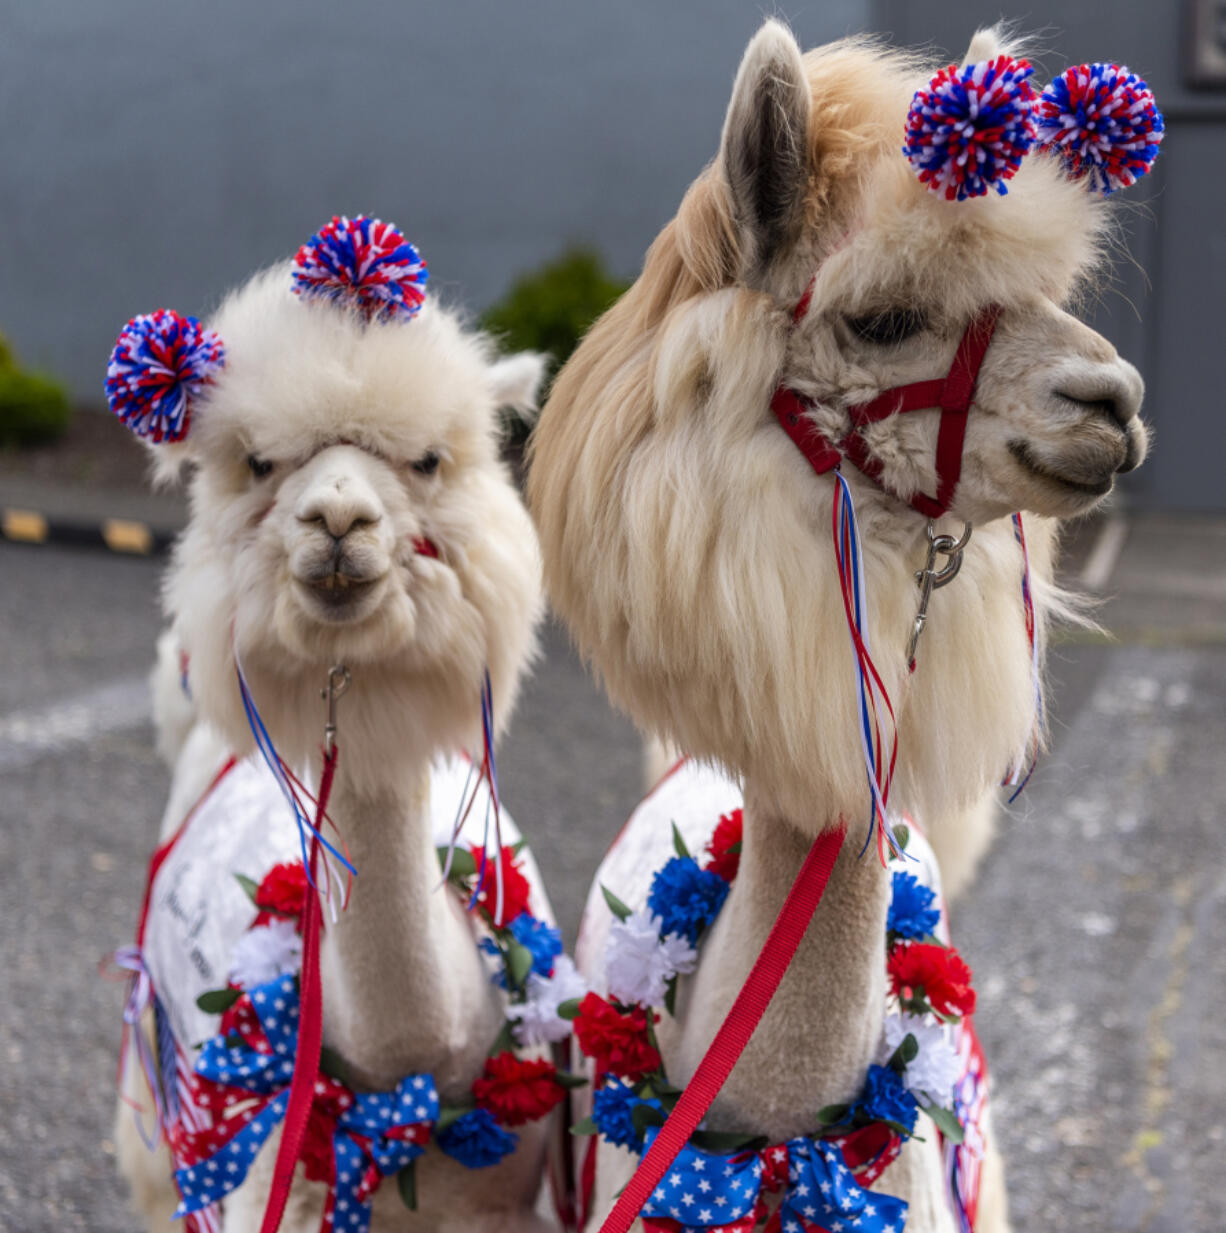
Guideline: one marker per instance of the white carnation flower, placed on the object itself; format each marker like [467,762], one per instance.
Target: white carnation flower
[934,1070]
[639,963]
[266,952]
[537,1021]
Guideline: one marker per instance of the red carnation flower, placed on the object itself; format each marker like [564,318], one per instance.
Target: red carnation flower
[939,971]
[516,1091]
[282,892]
[515,888]
[727,835]
[616,1040]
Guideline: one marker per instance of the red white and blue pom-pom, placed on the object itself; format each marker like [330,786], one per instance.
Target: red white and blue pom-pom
[160,360]
[969,129]
[1103,121]
[365,263]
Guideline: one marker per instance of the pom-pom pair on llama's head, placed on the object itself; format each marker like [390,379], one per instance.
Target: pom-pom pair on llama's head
[348,506]
[686,538]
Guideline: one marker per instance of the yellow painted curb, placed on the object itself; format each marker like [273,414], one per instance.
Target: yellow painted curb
[25,525]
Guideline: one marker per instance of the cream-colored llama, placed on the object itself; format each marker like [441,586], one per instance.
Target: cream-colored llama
[687,540]
[327,454]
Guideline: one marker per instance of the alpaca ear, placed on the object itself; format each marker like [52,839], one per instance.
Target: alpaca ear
[516,382]
[986,44]
[764,149]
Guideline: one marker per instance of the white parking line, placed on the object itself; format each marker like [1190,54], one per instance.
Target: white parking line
[28,734]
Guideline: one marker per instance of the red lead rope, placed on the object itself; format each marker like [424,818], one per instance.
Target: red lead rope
[310,1029]
[734,1033]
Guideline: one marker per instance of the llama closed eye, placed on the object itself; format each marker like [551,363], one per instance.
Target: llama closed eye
[261,468]
[884,329]
[427,464]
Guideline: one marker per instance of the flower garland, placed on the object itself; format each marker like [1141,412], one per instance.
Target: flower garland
[720,1181]
[356,1139]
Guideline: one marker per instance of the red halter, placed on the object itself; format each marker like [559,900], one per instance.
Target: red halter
[952,395]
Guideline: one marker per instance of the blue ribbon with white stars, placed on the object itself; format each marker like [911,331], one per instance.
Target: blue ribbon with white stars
[704,1190]
[365,1130]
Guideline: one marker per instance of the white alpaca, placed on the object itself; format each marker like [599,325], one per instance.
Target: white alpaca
[687,542]
[328,451]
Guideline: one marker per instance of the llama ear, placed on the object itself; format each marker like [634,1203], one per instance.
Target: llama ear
[986,44]
[764,148]
[516,382]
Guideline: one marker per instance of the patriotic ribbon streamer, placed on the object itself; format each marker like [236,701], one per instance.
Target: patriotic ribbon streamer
[373,1134]
[140,998]
[708,1193]
[874,701]
[1017,777]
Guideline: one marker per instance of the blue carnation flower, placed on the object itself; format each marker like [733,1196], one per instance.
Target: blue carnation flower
[544,941]
[613,1108]
[476,1140]
[686,898]
[885,1098]
[912,914]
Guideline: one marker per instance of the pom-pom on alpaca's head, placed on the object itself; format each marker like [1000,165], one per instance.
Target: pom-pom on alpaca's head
[363,263]
[159,362]
[348,506]
[687,540]
[1103,122]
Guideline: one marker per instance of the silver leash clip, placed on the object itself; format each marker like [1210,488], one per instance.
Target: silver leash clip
[931,579]
[338,682]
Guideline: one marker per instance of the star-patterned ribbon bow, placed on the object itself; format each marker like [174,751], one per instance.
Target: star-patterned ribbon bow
[708,1193]
[243,1080]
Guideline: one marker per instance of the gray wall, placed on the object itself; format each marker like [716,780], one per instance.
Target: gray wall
[1167,309]
[156,153]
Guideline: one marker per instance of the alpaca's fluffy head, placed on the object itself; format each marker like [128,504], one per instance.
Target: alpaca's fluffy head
[326,454]
[686,539]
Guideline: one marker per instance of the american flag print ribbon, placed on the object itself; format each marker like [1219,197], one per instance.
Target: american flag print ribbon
[708,1193]
[244,1077]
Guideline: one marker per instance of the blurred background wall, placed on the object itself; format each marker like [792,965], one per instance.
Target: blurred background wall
[155,154]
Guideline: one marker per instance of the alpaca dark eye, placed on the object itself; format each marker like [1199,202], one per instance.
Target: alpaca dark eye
[427,464]
[884,329]
[260,467]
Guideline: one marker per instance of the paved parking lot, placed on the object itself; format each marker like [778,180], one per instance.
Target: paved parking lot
[1097,929]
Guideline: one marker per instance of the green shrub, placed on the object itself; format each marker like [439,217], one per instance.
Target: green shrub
[551,308]
[33,408]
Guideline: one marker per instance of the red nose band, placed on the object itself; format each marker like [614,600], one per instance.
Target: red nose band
[952,395]
[425,547]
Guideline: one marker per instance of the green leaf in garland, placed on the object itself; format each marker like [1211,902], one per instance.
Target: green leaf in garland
[448,1114]
[902,836]
[569,1009]
[945,1121]
[463,866]
[566,1079]
[904,1055]
[832,1115]
[517,848]
[519,963]
[727,1141]
[670,995]
[585,1127]
[679,843]
[332,1064]
[504,1040]
[406,1183]
[218,1001]
[249,887]
[645,1116]
[900,1130]
[616,906]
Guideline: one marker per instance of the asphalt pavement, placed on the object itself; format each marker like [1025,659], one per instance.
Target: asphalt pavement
[1097,928]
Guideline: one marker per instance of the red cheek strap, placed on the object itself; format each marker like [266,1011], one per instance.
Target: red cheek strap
[951,395]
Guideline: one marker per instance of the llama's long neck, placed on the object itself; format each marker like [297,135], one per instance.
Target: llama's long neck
[823,1026]
[403,984]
